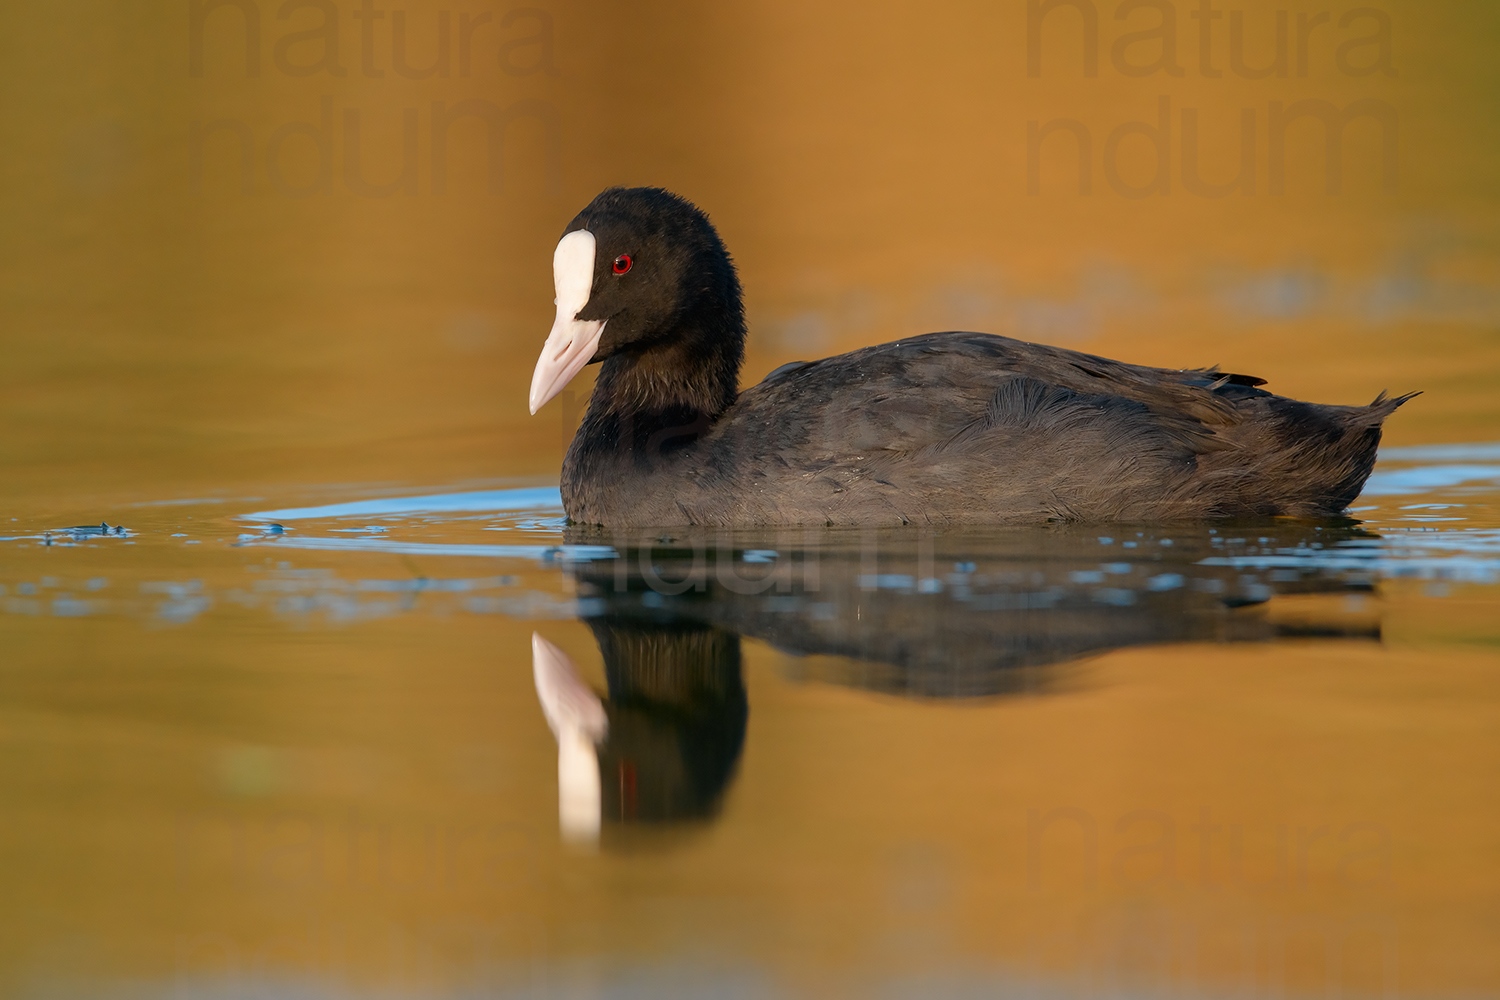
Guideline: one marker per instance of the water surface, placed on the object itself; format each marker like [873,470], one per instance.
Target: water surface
[293,745]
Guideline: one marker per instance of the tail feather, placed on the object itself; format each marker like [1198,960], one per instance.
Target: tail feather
[1380,407]
[1364,443]
[1389,404]
[1324,453]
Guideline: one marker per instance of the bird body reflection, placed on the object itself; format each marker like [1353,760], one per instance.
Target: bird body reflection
[916,614]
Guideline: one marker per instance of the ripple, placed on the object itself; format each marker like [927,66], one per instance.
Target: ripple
[526,498]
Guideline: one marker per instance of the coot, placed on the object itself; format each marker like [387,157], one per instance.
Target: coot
[944,428]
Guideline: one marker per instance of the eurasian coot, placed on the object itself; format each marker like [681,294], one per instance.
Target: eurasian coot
[944,428]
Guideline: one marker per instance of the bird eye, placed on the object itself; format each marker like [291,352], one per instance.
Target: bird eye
[622,263]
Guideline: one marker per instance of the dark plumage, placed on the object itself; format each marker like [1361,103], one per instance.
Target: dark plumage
[944,428]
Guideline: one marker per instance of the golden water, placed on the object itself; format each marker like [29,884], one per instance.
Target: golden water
[235,762]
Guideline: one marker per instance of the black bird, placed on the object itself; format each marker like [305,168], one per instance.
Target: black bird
[944,428]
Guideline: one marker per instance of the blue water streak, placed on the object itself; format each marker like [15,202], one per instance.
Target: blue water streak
[528,498]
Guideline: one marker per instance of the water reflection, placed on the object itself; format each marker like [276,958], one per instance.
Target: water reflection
[921,615]
[665,743]
[308,743]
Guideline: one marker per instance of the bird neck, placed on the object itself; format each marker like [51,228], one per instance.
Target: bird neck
[679,383]
[650,405]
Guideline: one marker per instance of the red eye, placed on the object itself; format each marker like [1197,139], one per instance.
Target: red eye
[622,263]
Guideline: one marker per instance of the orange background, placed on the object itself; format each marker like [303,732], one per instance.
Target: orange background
[867,164]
